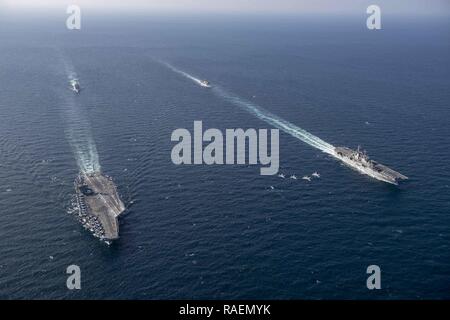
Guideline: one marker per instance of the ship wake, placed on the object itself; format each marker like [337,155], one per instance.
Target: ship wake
[264,115]
[78,130]
[184,74]
[276,121]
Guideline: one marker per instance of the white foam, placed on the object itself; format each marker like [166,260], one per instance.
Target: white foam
[184,74]
[264,115]
[276,121]
[78,129]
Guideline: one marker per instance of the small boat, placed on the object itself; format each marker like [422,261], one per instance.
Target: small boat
[205,83]
[293,177]
[75,85]
[281,175]
[316,174]
[306,178]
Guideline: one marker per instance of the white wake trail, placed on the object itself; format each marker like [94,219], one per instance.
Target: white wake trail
[276,121]
[184,74]
[78,129]
[264,115]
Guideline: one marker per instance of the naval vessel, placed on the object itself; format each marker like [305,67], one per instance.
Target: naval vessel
[360,161]
[99,205]
[75,85]
[205,83]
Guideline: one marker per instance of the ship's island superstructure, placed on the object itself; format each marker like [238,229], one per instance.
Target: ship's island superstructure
[360,161]
[99,205]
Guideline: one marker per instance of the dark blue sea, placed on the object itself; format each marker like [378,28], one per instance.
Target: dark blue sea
[225,231]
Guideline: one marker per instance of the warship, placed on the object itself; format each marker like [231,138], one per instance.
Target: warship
[99,205]
[75,85]
[360,161]
[205,83]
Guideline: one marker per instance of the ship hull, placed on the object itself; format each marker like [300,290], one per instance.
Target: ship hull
[365,170]
[99,205]
[75,89]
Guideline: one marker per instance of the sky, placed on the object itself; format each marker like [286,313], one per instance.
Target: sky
[240,6]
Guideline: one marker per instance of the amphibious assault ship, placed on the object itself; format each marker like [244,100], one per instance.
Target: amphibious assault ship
[99,205]
[360,161]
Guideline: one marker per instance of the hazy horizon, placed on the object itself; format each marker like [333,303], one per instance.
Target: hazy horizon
[411,7]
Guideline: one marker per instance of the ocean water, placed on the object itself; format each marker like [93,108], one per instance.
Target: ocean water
[222,232]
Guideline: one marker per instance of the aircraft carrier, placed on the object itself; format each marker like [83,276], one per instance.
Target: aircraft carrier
[360,161]
[99,205]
